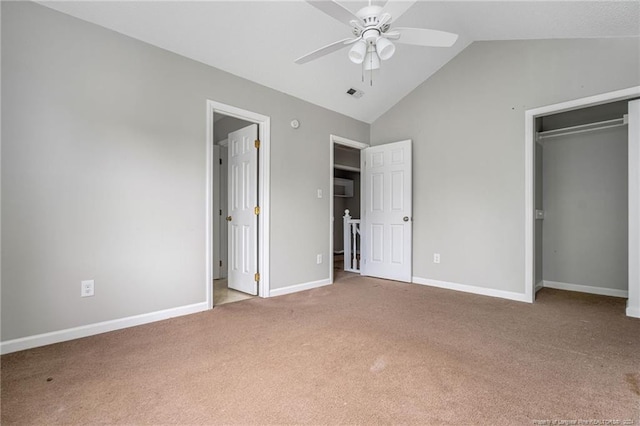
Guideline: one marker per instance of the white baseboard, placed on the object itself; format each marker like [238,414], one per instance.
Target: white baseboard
[298,287]
[97,328]
[539,285]
[586,289]
[519,297]
[633,312]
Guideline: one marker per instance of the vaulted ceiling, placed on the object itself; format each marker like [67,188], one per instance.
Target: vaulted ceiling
[259,40]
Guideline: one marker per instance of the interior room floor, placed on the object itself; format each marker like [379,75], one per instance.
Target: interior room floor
[223,294]
[338,269]
[338,260]
[360,351]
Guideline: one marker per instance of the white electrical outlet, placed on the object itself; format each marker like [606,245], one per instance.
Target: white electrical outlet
[436,257]
[87,288]
[319,259]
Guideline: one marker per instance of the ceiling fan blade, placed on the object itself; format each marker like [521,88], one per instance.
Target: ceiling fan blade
[330,48]
[335,10]
[385,18]
[393,35]
[423,37]
[396,8]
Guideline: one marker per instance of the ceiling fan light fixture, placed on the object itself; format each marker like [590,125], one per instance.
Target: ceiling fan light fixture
[358,52]
[385,48]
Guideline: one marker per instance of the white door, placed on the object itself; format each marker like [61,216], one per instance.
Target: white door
[386,212]
[242,218]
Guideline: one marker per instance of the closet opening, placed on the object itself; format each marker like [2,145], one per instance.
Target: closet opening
[582,200]
[582,222]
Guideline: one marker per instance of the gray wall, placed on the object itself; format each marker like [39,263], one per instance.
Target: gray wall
[467,124]
[103,173]
[585,196]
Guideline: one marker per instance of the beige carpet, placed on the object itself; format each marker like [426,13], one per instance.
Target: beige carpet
[363,351]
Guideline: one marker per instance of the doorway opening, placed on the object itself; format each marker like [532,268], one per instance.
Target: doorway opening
[381,245]
[223,127]
[345,163]
[579,205]
[237,233]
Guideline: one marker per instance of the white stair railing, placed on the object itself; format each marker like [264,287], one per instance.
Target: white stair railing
[351,243]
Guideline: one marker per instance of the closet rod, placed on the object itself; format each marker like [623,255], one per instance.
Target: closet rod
[607,124]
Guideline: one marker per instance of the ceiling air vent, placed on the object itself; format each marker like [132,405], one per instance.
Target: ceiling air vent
[355,93]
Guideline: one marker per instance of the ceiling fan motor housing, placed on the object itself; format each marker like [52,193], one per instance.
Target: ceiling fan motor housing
[369,15]
[370,35]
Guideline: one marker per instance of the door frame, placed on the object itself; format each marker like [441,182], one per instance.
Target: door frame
[529,167]
[264,193]
[333,140]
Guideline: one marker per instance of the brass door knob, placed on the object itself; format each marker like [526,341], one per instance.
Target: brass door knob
[228,218]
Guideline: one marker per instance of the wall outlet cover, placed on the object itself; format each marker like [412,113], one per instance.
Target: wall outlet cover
[87,288]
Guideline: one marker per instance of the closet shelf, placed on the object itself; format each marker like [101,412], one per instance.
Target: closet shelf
[583,128]
[347,168]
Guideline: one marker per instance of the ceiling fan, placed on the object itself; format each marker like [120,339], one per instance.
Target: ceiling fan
[371,27]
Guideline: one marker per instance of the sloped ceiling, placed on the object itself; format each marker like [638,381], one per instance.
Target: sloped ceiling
[259,40]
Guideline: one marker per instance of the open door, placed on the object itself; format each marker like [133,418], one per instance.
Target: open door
[242,208]
[386,211]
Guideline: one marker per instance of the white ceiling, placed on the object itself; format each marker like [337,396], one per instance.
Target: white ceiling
[259,40]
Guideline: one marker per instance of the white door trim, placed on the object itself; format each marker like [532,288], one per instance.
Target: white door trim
[529,202]
[333,139]
[264,193]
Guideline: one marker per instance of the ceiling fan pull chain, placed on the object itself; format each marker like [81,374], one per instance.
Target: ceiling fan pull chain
[371,70]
